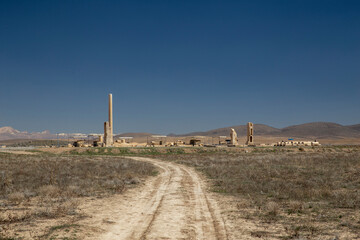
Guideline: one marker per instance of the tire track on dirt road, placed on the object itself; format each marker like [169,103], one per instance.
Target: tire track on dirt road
[174,205]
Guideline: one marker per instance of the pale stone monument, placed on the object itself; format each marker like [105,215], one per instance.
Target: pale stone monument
[250,134]
[233,136]
[111,116]
[108,126]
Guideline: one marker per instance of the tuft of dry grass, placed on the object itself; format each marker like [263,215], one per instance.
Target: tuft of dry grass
[16,197]
[272,209]
[50,191]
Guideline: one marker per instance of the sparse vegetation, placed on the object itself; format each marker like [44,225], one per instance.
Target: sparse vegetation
[310,194]
[37,143]
[130,151]
[48,186]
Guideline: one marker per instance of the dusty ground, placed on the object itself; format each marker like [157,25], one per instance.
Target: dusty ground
[176,204]
[40,193]
[173,205]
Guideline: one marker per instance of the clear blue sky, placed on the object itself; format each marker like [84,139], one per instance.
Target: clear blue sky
[178,66]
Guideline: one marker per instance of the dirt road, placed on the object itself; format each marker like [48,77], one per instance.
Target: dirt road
[174,205]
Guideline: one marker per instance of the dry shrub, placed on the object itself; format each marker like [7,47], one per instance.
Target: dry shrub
[129,179]
[295,207]
[259,234]
[272,209]
[73,191]
[67,208]
[116,185]
[297,231]
[16,197]
[49,191]
[134,180]
[29,193]
[45,212]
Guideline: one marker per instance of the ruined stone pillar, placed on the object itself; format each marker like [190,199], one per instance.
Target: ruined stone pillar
[111,116]
[233,137]
[107,135]
[250,134]
[108,126]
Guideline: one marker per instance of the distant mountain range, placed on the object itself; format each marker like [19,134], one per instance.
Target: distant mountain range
[11,133]
[136,135]
[316,130]
[307,130]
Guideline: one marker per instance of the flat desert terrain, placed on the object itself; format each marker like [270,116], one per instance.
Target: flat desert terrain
[181,193]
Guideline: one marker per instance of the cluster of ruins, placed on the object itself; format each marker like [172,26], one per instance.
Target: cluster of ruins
[249,136]
[108,140]
[297,143]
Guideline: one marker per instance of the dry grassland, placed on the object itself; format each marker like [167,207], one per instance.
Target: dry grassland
[309,195]
[277,193]
[34,188]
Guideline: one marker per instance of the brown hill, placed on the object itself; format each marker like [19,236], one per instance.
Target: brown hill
[320,130]
[355,127]
[135,135]
[261,129]
[307,130]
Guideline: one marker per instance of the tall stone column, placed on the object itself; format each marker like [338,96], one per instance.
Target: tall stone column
[111,116]
[108,126]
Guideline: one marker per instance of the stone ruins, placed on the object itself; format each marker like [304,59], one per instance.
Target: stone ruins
[233,137]
[297,143]
[250,134]
[107,139]
[108,126]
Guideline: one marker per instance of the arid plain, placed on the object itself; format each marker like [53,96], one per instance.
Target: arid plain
[181,193]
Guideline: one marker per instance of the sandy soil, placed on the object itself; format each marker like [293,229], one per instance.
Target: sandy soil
[173,205]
